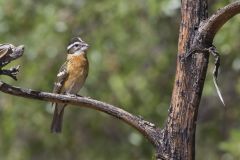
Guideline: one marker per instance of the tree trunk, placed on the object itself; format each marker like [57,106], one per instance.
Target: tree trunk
[179,132]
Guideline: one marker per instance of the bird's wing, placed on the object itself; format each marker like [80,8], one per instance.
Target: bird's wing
[61,77]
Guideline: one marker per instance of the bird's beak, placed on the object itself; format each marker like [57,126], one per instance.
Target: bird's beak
[85,47]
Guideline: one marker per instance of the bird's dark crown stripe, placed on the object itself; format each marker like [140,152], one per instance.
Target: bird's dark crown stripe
[76,39]
[71,45]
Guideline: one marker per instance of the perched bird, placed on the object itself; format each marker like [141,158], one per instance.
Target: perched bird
[70,77]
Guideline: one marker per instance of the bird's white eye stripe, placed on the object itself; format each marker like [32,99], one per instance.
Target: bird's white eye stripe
[80,39]
[71,45]
[61,73]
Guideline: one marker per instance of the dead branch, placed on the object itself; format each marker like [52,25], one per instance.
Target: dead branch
[208,28]
[9,52]
[148,129]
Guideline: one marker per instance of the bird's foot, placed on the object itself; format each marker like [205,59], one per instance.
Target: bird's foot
[78,95]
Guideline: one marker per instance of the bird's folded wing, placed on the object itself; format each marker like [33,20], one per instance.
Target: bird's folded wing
[61,78]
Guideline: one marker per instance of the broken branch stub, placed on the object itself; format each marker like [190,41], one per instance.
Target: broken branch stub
[8,53]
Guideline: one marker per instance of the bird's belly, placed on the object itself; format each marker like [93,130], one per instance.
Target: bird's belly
[75,87]
[75,82]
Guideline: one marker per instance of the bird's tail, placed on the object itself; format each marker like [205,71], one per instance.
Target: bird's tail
[56,126]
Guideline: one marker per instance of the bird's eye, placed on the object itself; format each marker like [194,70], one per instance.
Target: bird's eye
[76,45]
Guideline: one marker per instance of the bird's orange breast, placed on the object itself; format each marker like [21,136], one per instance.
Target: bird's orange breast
[77,69]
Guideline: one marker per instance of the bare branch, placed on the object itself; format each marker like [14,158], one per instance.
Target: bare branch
[12,72]
[209,28]
[9,52]
[148,129]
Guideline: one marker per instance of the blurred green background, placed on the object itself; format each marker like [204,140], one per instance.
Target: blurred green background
[132,65]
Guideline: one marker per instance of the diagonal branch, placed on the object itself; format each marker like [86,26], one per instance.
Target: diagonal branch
[210,27]
[148,129]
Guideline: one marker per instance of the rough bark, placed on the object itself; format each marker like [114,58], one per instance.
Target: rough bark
[179,132]
[195,38]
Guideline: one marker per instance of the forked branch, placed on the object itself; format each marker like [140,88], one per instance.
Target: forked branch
[8,53]
[206,32]
[210,27]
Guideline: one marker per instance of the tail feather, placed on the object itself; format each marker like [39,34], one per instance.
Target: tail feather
[56,126]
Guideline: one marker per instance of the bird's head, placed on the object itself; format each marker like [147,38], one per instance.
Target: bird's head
[77,46]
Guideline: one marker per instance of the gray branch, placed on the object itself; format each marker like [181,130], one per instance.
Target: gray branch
[9,52]
[148,129]
[12,72]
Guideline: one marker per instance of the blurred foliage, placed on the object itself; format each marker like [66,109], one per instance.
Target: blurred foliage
[132,65]
[232,146]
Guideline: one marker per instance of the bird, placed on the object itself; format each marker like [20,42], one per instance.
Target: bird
[70,78]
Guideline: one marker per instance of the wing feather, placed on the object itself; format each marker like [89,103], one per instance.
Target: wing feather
[61,77]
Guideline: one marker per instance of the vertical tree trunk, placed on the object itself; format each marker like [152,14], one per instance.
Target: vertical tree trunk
[179,132]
